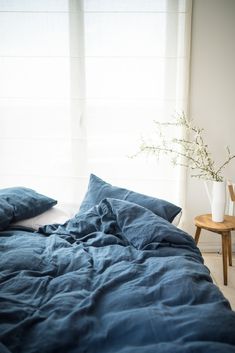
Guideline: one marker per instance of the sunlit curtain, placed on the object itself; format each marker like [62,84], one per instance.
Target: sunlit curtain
[42,96]
[136,60]
[80,83]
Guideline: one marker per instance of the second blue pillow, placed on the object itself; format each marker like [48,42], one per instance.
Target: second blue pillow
[98,190]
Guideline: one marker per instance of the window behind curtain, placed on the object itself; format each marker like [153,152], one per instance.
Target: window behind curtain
[136,59]
[41,96]
[80,81]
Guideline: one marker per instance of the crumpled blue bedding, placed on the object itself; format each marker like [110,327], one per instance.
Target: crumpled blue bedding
[116,278]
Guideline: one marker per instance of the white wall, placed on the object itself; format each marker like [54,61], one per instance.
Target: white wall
[212,97]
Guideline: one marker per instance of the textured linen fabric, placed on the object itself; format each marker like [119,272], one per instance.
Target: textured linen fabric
[114,279]
[99,189]
[18,203]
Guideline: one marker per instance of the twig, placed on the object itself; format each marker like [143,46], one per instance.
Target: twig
[194,150]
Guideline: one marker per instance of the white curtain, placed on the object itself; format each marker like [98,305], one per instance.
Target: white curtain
[80,82]
[42,96]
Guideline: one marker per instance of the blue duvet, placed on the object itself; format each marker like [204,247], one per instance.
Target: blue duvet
[115,279]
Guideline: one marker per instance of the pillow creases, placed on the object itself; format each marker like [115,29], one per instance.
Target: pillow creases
[18,203]
[99,189]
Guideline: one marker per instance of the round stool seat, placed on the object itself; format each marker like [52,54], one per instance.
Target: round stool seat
[224,228]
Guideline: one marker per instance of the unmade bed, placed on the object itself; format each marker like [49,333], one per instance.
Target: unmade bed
[117,277]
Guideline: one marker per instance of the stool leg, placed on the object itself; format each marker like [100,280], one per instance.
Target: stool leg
[229,249]
[197,234]
[224,255]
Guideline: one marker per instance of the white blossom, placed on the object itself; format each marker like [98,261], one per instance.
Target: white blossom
[190,151]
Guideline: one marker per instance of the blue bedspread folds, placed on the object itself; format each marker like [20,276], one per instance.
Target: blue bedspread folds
[116,278]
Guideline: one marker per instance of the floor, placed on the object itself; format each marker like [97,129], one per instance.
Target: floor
[214,262]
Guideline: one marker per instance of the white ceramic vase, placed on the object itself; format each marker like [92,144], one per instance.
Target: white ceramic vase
[217,198]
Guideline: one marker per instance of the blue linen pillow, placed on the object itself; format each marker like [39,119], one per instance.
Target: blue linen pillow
[18,203]
[98,190]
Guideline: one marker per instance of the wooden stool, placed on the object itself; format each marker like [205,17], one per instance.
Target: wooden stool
[224,228]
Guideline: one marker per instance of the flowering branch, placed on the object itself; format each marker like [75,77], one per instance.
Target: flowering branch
[191,152]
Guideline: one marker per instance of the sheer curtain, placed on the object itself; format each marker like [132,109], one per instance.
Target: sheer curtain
[136,61]
[81,81]
[42,96]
